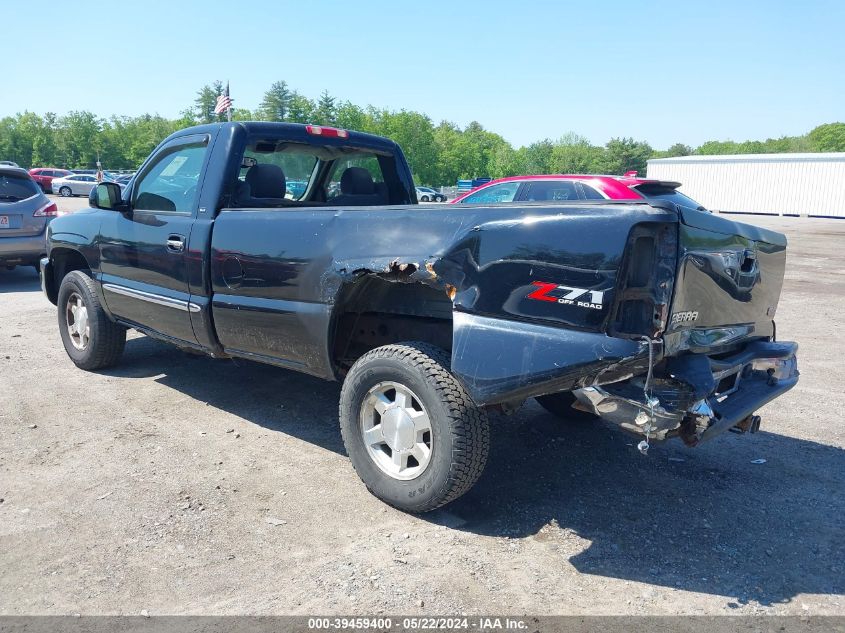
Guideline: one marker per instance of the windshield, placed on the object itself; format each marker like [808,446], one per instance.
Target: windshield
[14,188]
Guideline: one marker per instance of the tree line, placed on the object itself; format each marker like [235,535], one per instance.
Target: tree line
[439,154]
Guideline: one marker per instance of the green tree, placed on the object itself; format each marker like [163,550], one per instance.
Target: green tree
[326,111]
[829,137]
[438,154]
[352,117]
[44,143]
[717,147]
[448,162]
[573,154]
[300,109]
[414,133]
[503,161]
[276,102]
[79,141]
[679,149]
[206,101]
[625,154]
[537,157]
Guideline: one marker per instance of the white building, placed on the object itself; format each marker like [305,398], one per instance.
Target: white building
[780,184]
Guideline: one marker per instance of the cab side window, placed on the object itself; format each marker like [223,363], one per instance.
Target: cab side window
[170,183]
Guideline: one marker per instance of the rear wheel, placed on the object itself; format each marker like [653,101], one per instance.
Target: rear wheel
[560,405]
[91,339]
[65,192]
[424,199]
[413,434]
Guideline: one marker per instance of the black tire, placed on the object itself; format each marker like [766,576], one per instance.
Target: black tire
[560,405]
[106,339]
[424,199]
[460,438]
[65,192]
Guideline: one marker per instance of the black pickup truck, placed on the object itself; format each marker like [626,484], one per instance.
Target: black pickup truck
[303,247]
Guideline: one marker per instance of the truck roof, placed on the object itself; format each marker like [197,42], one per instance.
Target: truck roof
[296,132]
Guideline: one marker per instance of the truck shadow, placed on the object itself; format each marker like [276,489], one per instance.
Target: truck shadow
[706,520]
[21,279]
[276,399]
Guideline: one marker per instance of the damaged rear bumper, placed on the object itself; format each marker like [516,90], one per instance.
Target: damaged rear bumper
[696,397]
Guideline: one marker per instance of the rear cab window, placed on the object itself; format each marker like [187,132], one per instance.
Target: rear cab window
[344,183]
[279,172]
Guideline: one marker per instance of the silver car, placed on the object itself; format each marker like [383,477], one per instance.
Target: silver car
[24,214]
[427,194]
[74,185]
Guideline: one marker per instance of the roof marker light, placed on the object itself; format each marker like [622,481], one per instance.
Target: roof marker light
[330,132]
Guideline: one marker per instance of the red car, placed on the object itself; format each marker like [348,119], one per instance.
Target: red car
[575,187]
[44,176]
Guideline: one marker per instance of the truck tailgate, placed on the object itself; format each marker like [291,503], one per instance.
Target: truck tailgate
[729,280]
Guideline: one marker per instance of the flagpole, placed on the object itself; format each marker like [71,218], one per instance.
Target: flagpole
[229,109]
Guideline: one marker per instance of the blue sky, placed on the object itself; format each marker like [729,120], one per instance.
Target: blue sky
[663,72]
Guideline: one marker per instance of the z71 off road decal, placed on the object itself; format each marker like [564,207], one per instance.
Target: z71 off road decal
[567,295]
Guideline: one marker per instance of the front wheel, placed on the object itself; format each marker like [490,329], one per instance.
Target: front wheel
[65,192]
[424,199]
[413,434]
[91,339]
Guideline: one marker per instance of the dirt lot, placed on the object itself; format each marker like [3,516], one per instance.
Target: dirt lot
[162,485]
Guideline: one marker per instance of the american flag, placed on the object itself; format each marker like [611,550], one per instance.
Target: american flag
[224,103]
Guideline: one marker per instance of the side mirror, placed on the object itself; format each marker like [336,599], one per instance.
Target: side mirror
[106,195]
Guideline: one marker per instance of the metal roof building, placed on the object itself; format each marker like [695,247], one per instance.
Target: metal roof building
[780,184]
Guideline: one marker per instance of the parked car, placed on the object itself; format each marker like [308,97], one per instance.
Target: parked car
[427,194]
[431,317]
[575,187]
[44,176]
[24,214]
[296,188]
[8,163]
[74,185]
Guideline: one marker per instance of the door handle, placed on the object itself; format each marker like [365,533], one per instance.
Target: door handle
[176,243]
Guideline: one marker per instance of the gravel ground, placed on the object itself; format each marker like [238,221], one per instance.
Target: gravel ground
[179,484]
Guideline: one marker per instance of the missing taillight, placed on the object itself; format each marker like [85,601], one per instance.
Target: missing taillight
[641,307]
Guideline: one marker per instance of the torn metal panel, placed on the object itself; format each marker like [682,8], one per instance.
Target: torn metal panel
[498,361]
